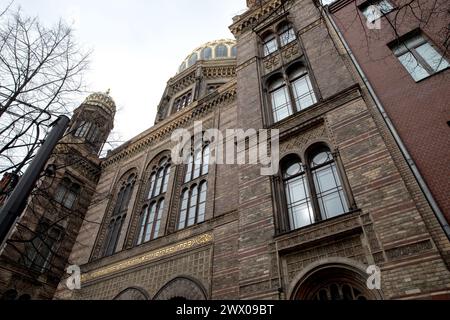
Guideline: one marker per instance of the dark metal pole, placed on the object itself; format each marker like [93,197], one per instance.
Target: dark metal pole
[16,203]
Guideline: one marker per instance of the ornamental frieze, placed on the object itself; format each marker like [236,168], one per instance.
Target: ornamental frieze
[148,257]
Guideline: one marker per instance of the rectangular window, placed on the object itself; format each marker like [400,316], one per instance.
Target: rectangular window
[270,46]
[419,57]
[303,93]
[375,9]
[280,104]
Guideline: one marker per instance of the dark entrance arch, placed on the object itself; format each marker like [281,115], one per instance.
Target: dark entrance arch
[182,288]
[334,282]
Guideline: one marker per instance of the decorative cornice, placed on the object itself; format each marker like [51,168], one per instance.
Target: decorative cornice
[252,17]
[148,257]
[178,120]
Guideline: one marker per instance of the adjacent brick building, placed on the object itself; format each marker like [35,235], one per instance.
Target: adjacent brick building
[415,99]
[344,197]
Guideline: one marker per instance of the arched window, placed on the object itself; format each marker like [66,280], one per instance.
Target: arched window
[280,100]
[297,193]
[67,193]
[270,44]
[193,205]
[292,95]
[43,246]
[206,53]
[286,34]
[234,51]
[221,51]
[192,59]
[313,192]
[118,215]
[153,209]
[327,184]
[182,102]
[88,130]
[194,194]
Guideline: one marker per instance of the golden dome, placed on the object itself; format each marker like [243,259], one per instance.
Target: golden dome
[213,50]
[102,100]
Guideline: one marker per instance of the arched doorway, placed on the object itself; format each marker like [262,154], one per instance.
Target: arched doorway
[182,288]
[334,282]
[132,294]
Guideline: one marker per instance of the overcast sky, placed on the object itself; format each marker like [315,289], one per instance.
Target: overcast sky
[137,45]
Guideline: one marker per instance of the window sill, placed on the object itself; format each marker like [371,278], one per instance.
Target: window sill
[337,226]
[432,75]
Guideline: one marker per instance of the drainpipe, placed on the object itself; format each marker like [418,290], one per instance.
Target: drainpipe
[437,211]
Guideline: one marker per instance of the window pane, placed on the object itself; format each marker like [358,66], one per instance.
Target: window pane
[119,202]
[70,200]
[152,185]
[197,164]
[183,210]
[192,59]
[303,93]
[293,169]
[159,181]
[151,219]
[192,206]
[298,202]
[329,191]
[287,36]
[59,196]
[188,176]
[432,57]
[221,51]
[143,223]
[166,179]
[280,104]
[158,219]
[207,53]
[234,51]
[270,46]
[205,167]
[412,65]
[202,202]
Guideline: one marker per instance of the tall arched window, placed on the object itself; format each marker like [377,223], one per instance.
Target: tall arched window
[221,51]
[194,191]
[118,215]
[313,192]
[153,209]
[290,92]
[327,184]
[297,193]
[67,193]
[88,130]
[206,53]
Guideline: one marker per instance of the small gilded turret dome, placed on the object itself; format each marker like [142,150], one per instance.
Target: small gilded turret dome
[102,100]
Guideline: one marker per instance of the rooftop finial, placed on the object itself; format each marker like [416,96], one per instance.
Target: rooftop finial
[108,91]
